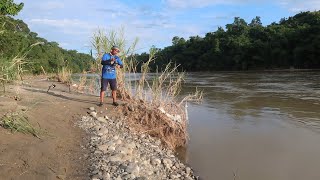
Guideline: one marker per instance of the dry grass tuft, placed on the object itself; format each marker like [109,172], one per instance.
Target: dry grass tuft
[146,118]
[64,75]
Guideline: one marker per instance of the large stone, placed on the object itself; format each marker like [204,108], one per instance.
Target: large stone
[91,108]
[118,141]
[115,137]
[156,162]
[133,169]
[141,178]
[103,131]
[130,107]
[123,150]
[116,158]
[101,119]
[188,170]
[93,114]
[106,176]
[103,148]
[167,163]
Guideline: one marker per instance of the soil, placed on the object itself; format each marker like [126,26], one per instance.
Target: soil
[57,154]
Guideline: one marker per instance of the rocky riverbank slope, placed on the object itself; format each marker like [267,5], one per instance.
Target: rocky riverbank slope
[117,152]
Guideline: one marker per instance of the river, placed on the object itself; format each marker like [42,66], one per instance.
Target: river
[251,126]
[254,126]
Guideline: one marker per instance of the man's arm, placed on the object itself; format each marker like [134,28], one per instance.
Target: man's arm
[120,63]
[105,60]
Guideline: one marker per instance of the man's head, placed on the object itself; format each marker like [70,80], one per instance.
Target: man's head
[115,50]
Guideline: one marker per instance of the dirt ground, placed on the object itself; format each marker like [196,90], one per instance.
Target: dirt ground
[56,155]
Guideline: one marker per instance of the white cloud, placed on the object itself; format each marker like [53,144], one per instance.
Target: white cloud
[61,22]
[205,3]
[300,5]
[51,5]
[291,5]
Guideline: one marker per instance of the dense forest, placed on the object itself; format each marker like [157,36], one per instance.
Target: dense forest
[16,39]
[294,42]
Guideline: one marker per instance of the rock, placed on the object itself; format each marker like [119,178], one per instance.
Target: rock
[188,178]
[156,162]
[141,178]
[188,170]
[167,163]
[93,114]
[131,145]
[130,107]
[133,169]
[116,152]
[118,141]
[91,108]
[123,150]
[158,142]
[115,137]
[106,176]
[106,117]
[111,148]
[101,119]
[129,176]
[103,148]
[62,177]
[103,131]
[115,158]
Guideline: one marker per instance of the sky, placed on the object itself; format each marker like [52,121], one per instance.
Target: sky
[71,23]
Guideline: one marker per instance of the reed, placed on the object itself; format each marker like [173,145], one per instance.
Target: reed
[14,68]
[64,75]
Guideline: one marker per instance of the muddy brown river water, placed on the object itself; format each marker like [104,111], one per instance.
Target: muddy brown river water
[255,126]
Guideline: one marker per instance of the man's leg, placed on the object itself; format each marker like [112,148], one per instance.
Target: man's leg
[114,95]
[103,90]
[101,96]
[113,86]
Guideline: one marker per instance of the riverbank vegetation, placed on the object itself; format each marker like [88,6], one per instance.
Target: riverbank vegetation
[152,105]
[16,38]
[293,42]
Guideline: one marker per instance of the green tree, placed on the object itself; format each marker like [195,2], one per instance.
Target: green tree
[8,7]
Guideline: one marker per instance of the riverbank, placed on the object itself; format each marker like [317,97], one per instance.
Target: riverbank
[108,149]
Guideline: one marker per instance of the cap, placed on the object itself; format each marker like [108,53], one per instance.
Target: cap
[115,47]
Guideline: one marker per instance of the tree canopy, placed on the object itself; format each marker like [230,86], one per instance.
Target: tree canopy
[16,38]
[8,7]
[294,42]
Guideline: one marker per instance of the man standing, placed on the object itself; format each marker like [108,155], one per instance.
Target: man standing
[110,62]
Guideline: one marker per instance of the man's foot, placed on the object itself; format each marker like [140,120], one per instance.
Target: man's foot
[100,104]
[115,104]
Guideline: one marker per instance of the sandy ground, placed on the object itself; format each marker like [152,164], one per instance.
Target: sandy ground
[57,155]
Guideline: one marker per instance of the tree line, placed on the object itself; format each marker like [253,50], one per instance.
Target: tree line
[16,38]
[293,42]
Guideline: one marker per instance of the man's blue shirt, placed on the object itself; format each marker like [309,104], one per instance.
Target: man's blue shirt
[109,71]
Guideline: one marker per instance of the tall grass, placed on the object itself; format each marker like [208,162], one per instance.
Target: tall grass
[64,75]
[13,68]
[153,106]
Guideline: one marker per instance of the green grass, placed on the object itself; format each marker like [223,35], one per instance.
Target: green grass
[17,122]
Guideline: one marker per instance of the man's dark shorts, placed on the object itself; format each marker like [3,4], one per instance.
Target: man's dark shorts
[105,82]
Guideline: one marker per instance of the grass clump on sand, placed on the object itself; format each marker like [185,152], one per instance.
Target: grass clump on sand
[13,69]
[18,122]
[152,105]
